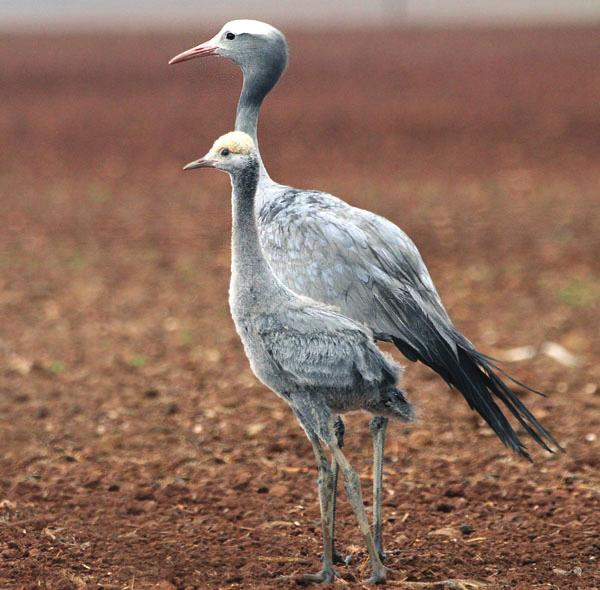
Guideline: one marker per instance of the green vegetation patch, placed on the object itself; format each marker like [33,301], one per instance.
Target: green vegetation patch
[580,293]
[137,361]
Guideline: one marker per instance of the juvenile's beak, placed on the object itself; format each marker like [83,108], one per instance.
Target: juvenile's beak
[201,163]
[208,48]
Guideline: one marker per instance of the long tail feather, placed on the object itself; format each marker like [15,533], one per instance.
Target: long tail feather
[475,377]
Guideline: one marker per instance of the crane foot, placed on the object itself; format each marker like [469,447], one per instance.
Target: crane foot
[325,576]
[379,576]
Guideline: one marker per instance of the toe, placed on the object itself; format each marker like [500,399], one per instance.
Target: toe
[379,576]
[322,577]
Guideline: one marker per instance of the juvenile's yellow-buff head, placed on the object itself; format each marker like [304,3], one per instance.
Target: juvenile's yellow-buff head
[227,153]
[237,142]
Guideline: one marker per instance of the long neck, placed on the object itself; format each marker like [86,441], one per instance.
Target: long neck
[251,98]
[260,76]
[250,270]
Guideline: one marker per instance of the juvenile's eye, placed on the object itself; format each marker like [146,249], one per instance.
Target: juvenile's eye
[230,36]
[224,152]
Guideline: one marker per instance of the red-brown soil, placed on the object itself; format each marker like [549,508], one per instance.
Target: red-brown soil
[136,448]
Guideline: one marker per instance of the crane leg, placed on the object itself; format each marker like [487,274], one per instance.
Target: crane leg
[354,494]
[378,426]
[326,495]
[339,430]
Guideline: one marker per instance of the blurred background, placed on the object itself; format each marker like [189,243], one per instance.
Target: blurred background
[143,13]
[137,449]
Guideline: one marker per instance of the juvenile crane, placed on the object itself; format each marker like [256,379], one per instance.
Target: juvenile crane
[319,361]
[319,246]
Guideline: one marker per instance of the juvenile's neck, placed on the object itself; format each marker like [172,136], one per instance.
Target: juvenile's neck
[251,274]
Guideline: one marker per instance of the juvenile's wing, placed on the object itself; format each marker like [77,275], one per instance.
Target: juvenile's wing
[322,349]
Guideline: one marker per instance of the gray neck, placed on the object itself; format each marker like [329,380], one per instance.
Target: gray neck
[251,273]
[260,76]
[248,108]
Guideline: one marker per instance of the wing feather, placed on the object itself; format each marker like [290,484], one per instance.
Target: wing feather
[322,349]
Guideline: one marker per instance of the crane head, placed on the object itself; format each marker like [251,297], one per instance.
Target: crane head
[248,43]
[231,152]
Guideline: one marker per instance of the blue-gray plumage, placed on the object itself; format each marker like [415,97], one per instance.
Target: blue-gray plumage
[321,247]
[319,361]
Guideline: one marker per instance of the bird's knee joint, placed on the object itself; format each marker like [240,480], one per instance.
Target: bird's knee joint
[339,430]
[377,424]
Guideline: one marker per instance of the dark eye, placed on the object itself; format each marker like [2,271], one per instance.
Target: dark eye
[230,36]
[224,152]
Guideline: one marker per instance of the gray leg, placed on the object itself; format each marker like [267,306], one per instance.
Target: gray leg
[354,494]
[326,495]
[339,435]
[378,427]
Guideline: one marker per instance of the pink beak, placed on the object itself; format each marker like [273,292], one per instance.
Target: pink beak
[202,50]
